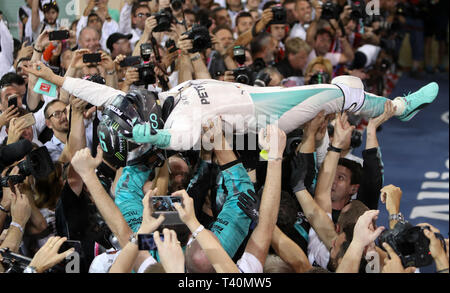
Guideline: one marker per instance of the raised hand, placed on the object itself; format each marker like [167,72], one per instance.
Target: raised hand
[342,131]
[48,256]
[393,263]
[170,252]
[83,162]
[149,223]
[249,203]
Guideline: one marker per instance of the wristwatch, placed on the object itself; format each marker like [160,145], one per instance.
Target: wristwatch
[334,149]
[196,57]
[30,270]
[133,238]
[111,72]
[397,217]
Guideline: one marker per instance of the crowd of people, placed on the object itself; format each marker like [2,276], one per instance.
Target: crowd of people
[129,141]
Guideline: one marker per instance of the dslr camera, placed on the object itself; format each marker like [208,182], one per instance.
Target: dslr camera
[279,15]
[200,37]
[329,11]
[409,243]
[164,19]
[146,69]
[177,4]
[358,9]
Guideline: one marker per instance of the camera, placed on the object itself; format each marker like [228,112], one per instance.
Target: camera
[243,75]
[329,11]
[262,79]
[319,77]
[177,4]
[37,163]
[409,243]
[200,37]
[239,54]
[358,9]
[146,69]
[279,15]
[164,19]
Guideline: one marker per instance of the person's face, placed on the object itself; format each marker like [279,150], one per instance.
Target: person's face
[122,46]
[303,10]
[223,18]
[322,44]
[318,68]
[190,19]
[90,39]
[253,4]
[58,118]
[28,133]
[179,172]
[225,38]
[51,16]
[20,70]
[278,31]
[342,187]
[204,3]
[291,14]
[234,3]
[95,22]
[8,91]
[141,15]
[245,23]
[298,61]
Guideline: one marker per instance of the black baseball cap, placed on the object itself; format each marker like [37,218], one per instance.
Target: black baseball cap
[114,38]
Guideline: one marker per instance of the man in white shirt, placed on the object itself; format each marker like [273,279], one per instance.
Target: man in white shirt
[303,12]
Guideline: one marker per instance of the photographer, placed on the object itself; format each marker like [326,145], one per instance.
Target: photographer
[319,70]
[297,52]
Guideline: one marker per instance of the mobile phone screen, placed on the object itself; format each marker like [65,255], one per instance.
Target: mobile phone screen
[146,241]
[68,244]
[12,101]
[165,203]
[58,35]
[92,58]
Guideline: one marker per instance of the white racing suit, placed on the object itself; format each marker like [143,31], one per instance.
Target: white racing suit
[245,108]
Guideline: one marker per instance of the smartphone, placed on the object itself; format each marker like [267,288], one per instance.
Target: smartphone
[68,244]
[130,61]
[58,35]
[146,241]
[28,118]
[92,58]
[12,100]
[165,205]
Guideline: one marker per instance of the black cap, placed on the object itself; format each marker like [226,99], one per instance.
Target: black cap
[114,38]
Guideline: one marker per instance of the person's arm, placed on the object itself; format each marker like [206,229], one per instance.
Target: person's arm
[214,251]
[35,18]
[150,24]
[170,253]
[259,242]
[184,65]
[33,98]
[110,70]
[347,51]
[125,18]
[391,196]
[47,256]
[436,248]
[289,251]
[363,235]
[245,38]
[20,214]
[342,134]
[85,165]
[7,45]
[75,65]
[127,257]
[372,179]
[393,263]
[199,67]
[94,93]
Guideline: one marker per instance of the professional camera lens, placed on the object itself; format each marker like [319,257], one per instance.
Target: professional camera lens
[239,54]
[262,79]
[177,4]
